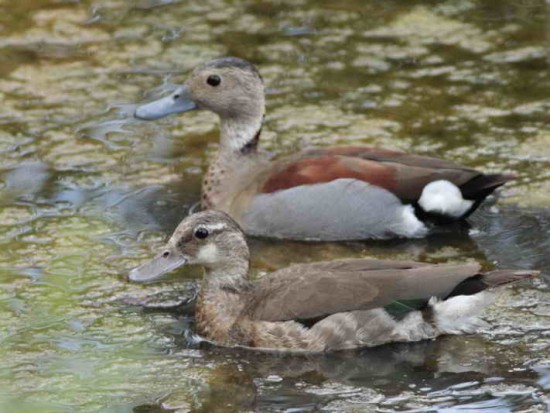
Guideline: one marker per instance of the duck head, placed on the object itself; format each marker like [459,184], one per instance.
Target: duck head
[211,239]
[230,87]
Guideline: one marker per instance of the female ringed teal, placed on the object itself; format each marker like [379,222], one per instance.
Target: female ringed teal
[323,306]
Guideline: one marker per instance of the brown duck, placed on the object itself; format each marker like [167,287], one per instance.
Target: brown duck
[377,193]
[324,306]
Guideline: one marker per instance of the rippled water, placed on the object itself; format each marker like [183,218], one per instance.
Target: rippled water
[87,193]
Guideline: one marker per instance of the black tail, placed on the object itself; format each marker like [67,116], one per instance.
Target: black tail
[480,187]
[491,279]
[476,189]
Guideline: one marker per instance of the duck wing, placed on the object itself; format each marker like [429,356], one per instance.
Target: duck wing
[377,193]
[307,291]
[402,174]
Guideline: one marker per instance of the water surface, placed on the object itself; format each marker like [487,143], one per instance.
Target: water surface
[88,193]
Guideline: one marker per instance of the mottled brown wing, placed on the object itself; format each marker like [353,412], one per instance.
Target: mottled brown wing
[315,290]
[403,174]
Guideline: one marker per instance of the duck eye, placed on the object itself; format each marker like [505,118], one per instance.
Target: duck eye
[214,80]
[201,233]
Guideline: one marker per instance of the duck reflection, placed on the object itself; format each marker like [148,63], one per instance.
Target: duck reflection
[254,381]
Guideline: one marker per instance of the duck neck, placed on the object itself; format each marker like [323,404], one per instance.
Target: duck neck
[240,135]
[232,276]
[221,301]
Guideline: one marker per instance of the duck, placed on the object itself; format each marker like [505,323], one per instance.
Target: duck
[322,306]
[378,193]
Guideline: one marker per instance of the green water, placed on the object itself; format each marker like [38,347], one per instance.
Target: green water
[87,193]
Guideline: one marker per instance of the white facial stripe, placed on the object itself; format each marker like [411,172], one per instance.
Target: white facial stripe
[216,227]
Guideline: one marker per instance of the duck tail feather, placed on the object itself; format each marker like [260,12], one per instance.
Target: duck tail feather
[502,277]
[482,185]
[491,279]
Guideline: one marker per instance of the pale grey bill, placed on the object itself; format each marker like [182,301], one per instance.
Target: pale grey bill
[178,102]
[156,268]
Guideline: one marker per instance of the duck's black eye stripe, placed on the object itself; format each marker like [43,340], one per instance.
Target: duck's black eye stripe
[213,80]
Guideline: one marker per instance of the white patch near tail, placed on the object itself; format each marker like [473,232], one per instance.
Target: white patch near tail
[460,314]
[412,328]
[410,226]
[368,328]
[444,197]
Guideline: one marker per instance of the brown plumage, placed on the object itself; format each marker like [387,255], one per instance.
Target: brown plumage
[310,171]
[298,196]
[403,174]
[322,306]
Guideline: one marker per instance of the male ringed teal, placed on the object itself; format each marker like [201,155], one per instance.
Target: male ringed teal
[337,193]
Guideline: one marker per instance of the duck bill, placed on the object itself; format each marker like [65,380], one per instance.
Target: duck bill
[156,268]
[178,102]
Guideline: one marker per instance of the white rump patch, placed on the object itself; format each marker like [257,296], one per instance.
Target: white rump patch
[460,314]
[368,328]
[444,197]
